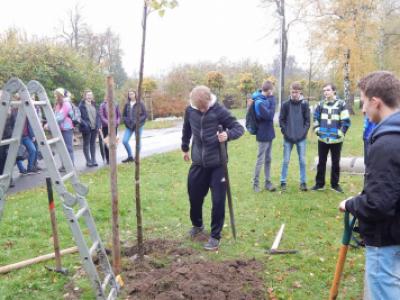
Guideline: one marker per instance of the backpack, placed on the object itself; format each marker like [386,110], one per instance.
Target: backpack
[251,119]
[75,114]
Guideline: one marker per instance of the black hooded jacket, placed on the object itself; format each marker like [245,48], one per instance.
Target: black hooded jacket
[378,206]
[203,127]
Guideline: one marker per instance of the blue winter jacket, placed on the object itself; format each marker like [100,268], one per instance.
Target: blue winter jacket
[368,127]
[265,110]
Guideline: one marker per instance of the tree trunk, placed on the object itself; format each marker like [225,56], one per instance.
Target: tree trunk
[116,251]
[137,136]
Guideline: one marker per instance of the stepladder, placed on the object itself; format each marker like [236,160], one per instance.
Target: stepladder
[72,193]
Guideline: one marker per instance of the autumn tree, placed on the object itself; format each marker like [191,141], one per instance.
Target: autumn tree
[348,26]
[246,85]
[215,81]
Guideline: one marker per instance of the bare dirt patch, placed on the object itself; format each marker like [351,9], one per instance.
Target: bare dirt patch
[174,272]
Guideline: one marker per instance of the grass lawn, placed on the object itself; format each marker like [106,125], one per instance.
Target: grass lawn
[313,223]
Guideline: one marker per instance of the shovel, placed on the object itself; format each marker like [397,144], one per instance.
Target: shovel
[348,229]
[228,186]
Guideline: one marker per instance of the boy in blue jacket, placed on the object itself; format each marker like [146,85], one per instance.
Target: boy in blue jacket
[264,107]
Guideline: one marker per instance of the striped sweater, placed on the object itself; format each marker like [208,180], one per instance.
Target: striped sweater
[331,121]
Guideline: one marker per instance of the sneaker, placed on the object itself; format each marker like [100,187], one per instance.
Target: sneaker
[95,164]
[23,172]
[317,188]
[269,186]
[303,187]
[212,244]
[128,160]
[33,171]
[195,231]
[283,186]
[337,189]
[256,188]
[89,165]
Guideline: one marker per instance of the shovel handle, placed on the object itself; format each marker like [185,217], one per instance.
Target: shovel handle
[348,229]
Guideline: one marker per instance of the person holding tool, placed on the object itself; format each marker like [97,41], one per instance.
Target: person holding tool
[377,208]
[201,121]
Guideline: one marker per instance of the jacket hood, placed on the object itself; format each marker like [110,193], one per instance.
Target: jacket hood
[212,102]
[390,124]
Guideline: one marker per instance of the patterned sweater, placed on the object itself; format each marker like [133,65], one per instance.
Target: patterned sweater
[331,121]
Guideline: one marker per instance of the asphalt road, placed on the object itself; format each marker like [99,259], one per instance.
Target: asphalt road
[154,141]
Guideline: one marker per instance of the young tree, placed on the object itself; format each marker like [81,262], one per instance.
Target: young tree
[148,7]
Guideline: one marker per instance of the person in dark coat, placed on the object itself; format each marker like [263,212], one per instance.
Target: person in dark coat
[201,121]
[264,107]
[129,116]
[89,126]
[294,120]
[377,208]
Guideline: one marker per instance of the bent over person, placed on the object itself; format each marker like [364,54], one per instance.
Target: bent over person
[377,208]
[201,121]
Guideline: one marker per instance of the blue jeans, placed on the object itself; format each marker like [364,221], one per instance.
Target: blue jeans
[301,151]
[382,272]
[127,136]
[31,148]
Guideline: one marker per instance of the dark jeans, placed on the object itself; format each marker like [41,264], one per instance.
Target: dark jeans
[105,134]
[68,136]
[323,150]
[3,157]
[200,180]
[89,145]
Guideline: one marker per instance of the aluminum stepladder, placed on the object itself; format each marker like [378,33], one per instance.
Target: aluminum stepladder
[74,203]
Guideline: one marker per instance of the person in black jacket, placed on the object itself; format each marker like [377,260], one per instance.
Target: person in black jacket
[129,116]
[201,121]
[89,126]
[294,121]
[378,206]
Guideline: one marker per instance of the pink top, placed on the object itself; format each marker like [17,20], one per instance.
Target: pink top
[63,115]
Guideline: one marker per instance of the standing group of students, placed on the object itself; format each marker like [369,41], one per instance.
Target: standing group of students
[377,207]
[331,122]
[92,121]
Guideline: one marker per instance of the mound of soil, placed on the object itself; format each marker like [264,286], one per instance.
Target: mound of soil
[172,272]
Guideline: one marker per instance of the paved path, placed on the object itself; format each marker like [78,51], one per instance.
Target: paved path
[153,141]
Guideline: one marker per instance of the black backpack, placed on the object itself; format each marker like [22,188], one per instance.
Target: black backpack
[251,119]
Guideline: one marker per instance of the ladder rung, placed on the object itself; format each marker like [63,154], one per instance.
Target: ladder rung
[67,176]
[113,294]
[53,141]
[105,282]
[81,212]
[8,141]
[40,103]
[4,176]
[93,248]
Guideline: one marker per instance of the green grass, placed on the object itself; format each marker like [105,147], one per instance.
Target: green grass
[313,224]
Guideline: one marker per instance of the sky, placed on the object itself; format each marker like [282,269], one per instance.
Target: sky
[196,30]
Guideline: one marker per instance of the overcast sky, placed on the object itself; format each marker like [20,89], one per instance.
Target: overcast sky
[196,30]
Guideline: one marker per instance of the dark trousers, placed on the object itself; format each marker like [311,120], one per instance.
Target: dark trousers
[3,157]
[200,180]
[323,150]
[105,134]
[89,145]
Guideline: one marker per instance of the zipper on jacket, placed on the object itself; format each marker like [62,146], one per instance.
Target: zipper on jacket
[201,138]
